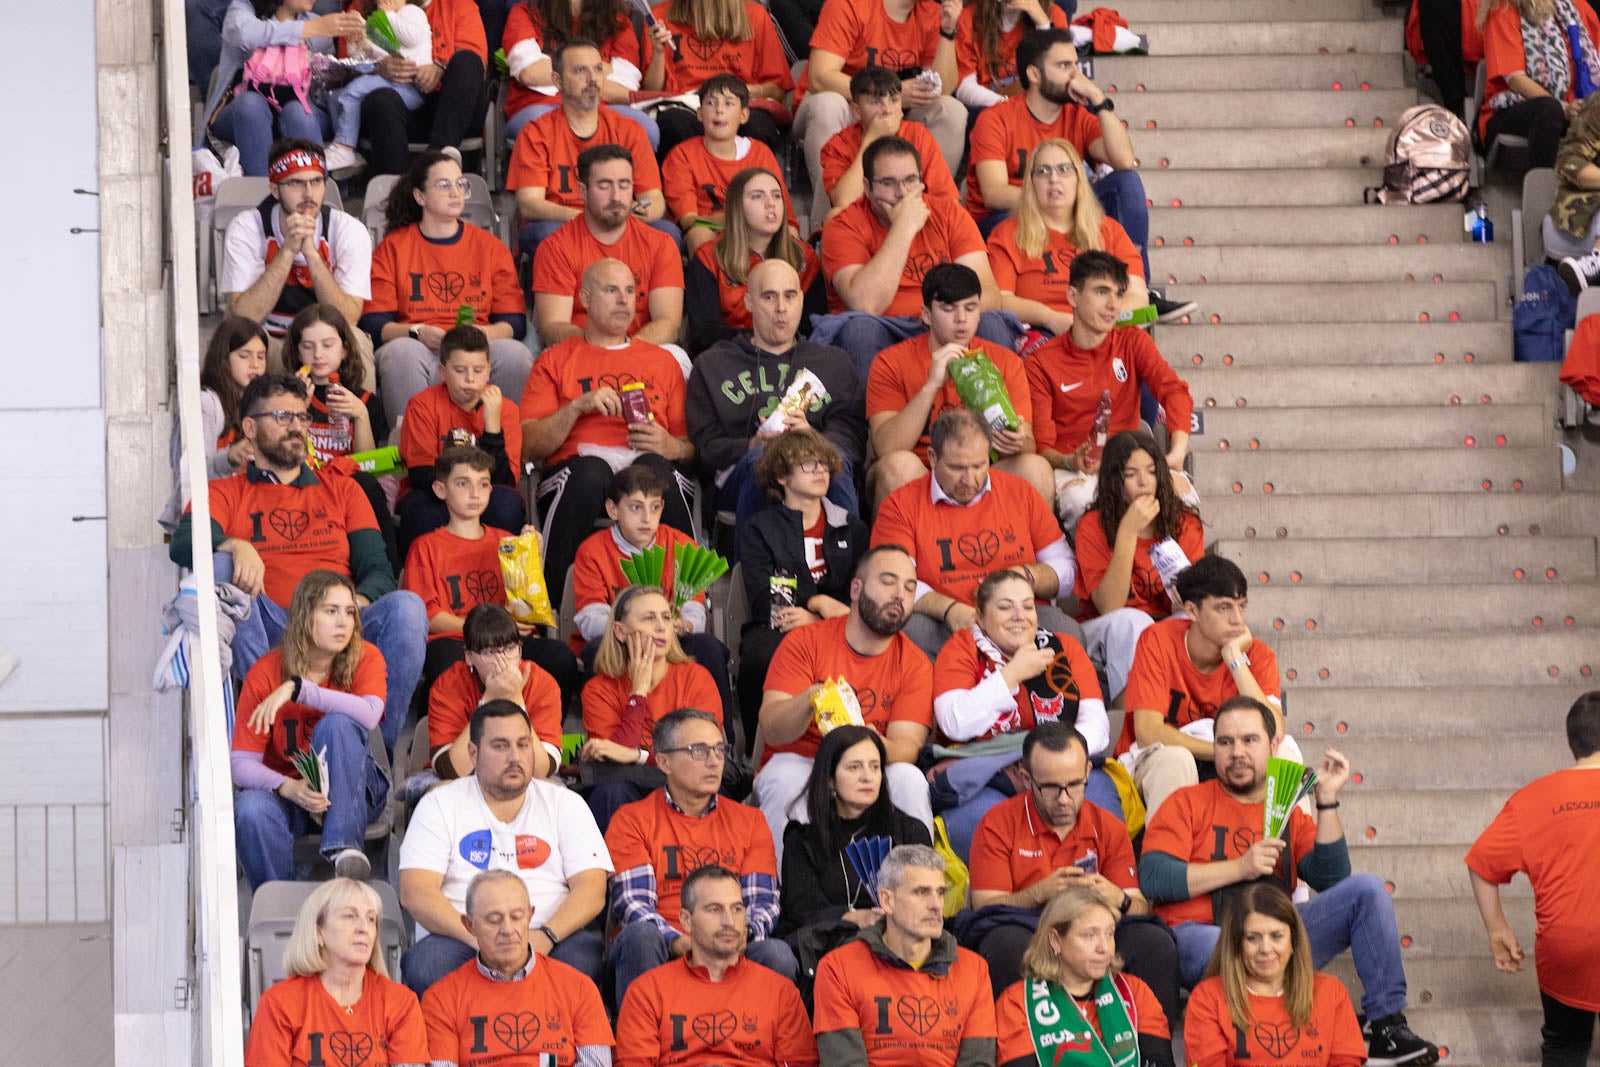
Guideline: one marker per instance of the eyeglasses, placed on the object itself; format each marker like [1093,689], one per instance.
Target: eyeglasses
[285,418]
[301,185]
[1045,170]
[1052,791]
[445,185]
[700,752]
[889,185]
[811,466]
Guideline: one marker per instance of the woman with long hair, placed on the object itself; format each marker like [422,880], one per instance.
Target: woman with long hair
[1261,995]
[1543,57]
[236,356]
[755,228]
[319,693]
[466,267]
[640,674]
[1073,994]
[1057,217]
[346,417]
[1142,529]
[707,37]
[337,985]
[534,29]
[986,46]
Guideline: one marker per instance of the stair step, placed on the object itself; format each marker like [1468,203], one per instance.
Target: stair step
[1265,429]
[1421,872]
[1224,40]
[1431,514]
[1358,609]
[1264,108]
[1356,471]
[1464,981]
[1441,659]
[1124,74]
[1365,561]
[1333,187]
[1139,12]
[1225,386]
[1493,1036]
[1405,264]
[1250,149]
[1303,227]
[1405,714]
[1518,760]
[1447,817]
[1448,928]
[1340,302]
[1352,345]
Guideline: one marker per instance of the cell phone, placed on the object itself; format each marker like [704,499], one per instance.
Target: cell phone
[1088,863]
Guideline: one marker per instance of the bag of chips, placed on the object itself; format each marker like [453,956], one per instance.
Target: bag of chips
[835,705]
[522,573]
[981,388]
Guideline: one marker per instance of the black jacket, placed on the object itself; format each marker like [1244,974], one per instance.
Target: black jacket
[815,887]
[774,540]
[702,305]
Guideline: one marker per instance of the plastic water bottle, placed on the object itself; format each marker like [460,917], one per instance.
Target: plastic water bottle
[1482,228]
[1102,427]
[340,438]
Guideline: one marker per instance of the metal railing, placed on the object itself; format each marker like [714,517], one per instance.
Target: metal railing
[60,863]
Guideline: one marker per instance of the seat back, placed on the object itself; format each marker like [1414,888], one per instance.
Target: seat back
[378,190]
[567,617]
[1588,303]
[273,910]
[736,614]
[1538,196]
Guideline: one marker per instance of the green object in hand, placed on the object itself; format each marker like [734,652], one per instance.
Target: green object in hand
[466,315]
[500,66]
[694,569]
[981,389]
[381,33]
[646,567]
[1140,316]
[377,461]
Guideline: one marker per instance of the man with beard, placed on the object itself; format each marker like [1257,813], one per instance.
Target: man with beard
[1207,841]
[963,521]
[480,1012]
[502,818]
[892,680]
[277,520]
[608,228]
[1029,848]
[710,1005]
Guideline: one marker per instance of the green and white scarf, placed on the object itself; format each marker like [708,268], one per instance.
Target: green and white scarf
[1062,1035]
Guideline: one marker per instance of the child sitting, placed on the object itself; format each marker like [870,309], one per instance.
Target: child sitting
[411,29]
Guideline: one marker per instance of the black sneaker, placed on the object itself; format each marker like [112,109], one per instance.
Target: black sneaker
[1171,310]
[1390,1041]
[1580,272]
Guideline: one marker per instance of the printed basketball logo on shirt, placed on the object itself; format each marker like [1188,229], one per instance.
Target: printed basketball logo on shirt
[700,48]
[921,1014]
[1240,838]
[287,523]
[919,264]
[894,58]
[617,381]
[714,1027]
[978,549]
[482,586]
[1277,1038]
[531,851]
[349,1050]
[682,861]
[1147,586]
[446,285]
[867,700]
[517,1030]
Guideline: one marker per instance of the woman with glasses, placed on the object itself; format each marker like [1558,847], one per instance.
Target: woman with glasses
[802,550]
[1073,995]
[640,674]
[1057,217]
[433,271]
[999,678]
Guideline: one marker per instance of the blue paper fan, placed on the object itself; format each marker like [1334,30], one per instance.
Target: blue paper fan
[866,856]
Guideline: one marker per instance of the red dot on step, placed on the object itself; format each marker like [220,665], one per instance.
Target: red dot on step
[1249,531]
[1307,728]
[1550,573]
[1405,941]
[1468,358]
[1277,624]
[1519,574]
[1438,357]
[1200,279]
[1149,202]
[1160,241]
[1422,317]
[1111,88]
[1584,670]
[1377,122]
[1337,86]
[1187,241]
[1394,239]
[1422,238]
[1517,485]
[1139,88]
[1255,444]
[1342,727]
[1389,886]
[1487,485]
[1455,400]
[1366,85]
[1199,359]
[1349,122]
[1237,488]
[1263,577]
[1469,441]
[1504,529]
[1438,277]
[1291,674]
[1266,487]
[1455,316]
[1311,624]
[1372,831]
[1227,360]
[1184,321]
[1282,532]
[1177,202]
[1484,399]
[1164,161]
[1150,124]
[1553,671]
[1222,446]
[1294,577]
[1500,439]
[1357,778]
[1568,621]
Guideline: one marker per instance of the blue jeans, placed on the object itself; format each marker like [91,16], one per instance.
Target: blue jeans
[434,956]
[515,123]
[265,825]
[396,623]
[743,495]
[641,946]
[347,104]
[1121,194]
[863,336]
[250,123]
[1356,914]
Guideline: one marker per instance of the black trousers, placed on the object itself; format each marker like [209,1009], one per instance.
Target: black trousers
[446,117]
[1540,120]
[1567,1032]
[1147,949]
[1440,22]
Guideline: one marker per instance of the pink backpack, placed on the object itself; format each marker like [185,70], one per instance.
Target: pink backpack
[277,67]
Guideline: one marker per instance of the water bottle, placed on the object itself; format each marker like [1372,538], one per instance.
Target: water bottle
[1102,427]
[340,439]
[1481,227]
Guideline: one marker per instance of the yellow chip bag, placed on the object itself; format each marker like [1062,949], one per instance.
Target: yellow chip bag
[522,573]
[835,705]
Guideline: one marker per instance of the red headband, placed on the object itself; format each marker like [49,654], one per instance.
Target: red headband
[294,160]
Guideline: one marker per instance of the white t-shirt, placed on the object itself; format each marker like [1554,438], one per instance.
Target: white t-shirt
[348,254]
[552,838]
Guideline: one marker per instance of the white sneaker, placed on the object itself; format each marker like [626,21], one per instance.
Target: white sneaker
[453,152]
[343,161]
[352,863]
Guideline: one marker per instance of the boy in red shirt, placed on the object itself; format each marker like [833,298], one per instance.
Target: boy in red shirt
[875,105]
[1548,831]
[465,408]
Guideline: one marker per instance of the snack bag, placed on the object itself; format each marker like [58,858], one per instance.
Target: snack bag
[835,704]
[522,572]
[781,586]
[635,405]
[378,461]
[981,388]
[796,400]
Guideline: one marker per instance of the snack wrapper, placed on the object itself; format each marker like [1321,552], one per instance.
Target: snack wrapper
[981,388]
[635,405]
[522,574]
[781,588]
[805,388]
[835,705]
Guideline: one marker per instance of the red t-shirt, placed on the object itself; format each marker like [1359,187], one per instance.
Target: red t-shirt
[426,281]
[1043,278]
[1002,77]
[1013,847]
[1008,132]
[1145,590]
[1503,52]
[1203,824]
[456,25]
[652,833]
[864,35]
[546,155]
[813,537]
[898,372]
[1016,1039]
[697,181]
[562,258]
[292,726]
[730,294]
[1069,680]
[296,529]
[574,367]
[521,26]
[843,148]
[674,1015]
[690,60]
[957,547]
[894,686]
[1548,829]
[686,685]
[457,693]
[1165,679]
[298,1023]
[452,574]
[1065,382]
[1330,1038]
[853,237]
[543,1019]
[434,422]
[597,570]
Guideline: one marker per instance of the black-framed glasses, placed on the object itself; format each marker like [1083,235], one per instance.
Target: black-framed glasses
[1053,790]
[811,466]
[284,417]
[701,752]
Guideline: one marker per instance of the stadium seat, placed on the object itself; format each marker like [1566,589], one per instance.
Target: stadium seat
[236,195]
[272,914]
[735,614]
[1506,144]
[1527,222]
[479,210]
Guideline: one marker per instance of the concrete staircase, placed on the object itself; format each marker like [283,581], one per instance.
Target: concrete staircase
[1385,475]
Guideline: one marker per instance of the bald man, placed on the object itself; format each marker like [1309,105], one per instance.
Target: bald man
[574,401]
[737,383]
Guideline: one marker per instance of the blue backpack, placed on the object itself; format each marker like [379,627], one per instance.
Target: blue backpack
[1543,314]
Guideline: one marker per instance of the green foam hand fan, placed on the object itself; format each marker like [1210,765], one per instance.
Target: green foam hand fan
[381,33]
[646,567]
[1287,783]
[693,570]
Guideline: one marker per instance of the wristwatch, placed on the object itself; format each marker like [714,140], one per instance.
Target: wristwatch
[415,331]
[1127,902]
[551,934]
[1105,105]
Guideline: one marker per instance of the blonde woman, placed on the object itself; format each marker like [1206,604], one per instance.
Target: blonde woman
[338,995]
[1538,69]
[707,37]
[322,690]
[1074,1005]
[1057,217]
